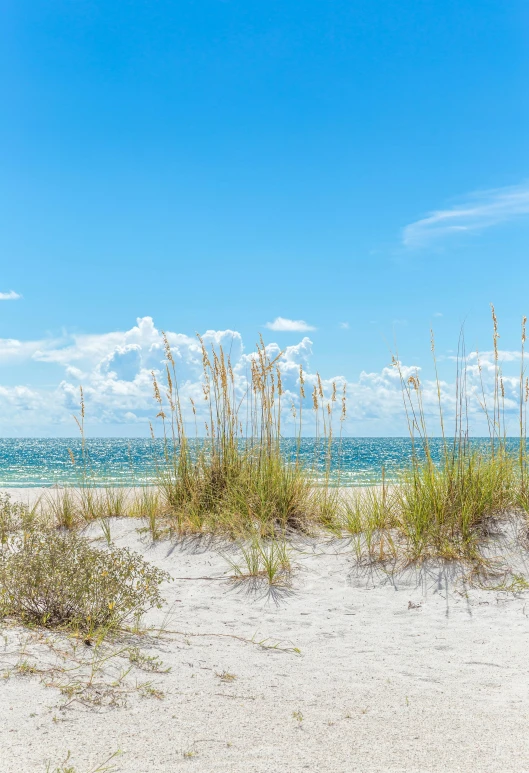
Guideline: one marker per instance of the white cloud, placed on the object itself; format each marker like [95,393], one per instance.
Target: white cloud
[21,397]
[10,296]
[144,338]
[438,314]
[476,212]
[283,325]
[344,325]
[115,372]
[12,350]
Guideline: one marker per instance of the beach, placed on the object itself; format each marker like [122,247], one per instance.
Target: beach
[361,670]
[264,406]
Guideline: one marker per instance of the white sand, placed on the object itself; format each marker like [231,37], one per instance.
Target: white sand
[27,495]
[440,684]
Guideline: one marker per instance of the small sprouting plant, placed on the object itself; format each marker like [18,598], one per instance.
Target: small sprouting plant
[298,716]
[25,668]
[148,690]
[519,583]
[510,583]
[147,662]
[226,676]
[65,767]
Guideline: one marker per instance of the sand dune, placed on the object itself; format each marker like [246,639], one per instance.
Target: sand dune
[417,672]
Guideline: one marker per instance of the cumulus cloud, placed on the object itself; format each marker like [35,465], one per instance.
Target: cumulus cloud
[10,296]
[284,325]
[114,369]
[115,372]
[476,212]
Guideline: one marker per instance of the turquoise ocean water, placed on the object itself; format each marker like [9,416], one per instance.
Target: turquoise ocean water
[124,462]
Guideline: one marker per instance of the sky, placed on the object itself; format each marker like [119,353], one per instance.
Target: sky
[338,176]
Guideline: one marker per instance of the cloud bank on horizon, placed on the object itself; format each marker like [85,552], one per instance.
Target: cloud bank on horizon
[478,211]
[115,371]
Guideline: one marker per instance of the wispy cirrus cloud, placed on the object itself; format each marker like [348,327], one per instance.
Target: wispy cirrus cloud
[284,325]
[475,212]
[10,296]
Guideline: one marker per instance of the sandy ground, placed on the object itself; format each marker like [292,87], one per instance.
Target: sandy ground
[411,673]
[31,495]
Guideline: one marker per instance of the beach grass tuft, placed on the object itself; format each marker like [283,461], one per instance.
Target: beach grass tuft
[235,479]
[266,559]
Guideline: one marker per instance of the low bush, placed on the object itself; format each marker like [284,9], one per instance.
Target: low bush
[58,580]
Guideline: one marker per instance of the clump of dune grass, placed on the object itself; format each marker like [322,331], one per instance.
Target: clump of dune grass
[70,508]
[441,508]
[56,579]
[263,559]
[91,499]
[433,511]
[146,503]
[235,479]
[62,508]
[368,516]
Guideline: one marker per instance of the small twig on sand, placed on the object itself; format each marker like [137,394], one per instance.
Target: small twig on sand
[262,643]
[200,578]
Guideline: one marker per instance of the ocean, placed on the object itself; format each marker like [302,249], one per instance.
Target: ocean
[32,462]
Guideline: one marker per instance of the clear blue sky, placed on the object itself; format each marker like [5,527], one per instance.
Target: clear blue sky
[218,164]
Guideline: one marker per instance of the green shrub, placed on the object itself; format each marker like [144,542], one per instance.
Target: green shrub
[58,580]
